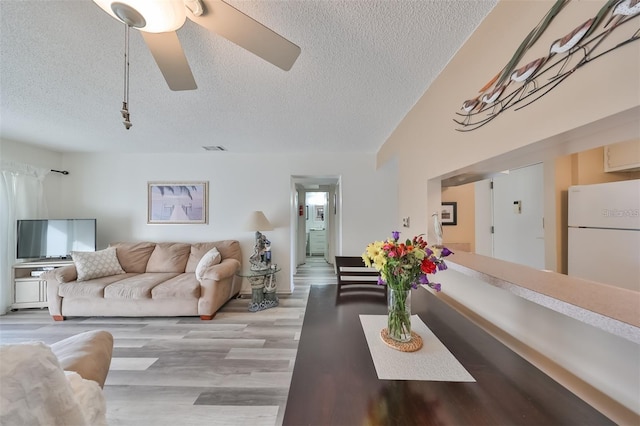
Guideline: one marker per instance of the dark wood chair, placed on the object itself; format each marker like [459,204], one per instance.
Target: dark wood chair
[354,275]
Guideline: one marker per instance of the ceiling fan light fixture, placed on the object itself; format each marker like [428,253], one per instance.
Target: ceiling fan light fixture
[152,16]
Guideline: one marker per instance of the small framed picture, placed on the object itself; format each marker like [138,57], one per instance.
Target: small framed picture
[449,213]
[177,202]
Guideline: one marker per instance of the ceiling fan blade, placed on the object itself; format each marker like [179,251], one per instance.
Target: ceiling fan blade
[168,53]
[227,21]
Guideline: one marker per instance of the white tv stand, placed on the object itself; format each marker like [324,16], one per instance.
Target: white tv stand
[28,290]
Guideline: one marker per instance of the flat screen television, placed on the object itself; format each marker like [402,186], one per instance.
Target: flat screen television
[54,238]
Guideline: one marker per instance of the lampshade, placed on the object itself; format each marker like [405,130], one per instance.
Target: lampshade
[158,16]
[258,222]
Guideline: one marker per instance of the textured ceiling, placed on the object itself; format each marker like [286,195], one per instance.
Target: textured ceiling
[363,66]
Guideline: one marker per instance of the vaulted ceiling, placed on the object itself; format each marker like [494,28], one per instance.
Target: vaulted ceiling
[363,65]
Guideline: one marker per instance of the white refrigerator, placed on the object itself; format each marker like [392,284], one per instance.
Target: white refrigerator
[604,233]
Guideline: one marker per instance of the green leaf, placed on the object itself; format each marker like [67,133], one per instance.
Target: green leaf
[600,16]
[530,40]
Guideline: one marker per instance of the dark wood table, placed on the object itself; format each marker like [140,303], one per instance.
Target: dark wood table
[335,383]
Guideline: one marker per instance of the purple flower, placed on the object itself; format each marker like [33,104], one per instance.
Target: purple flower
[395,235]
[414,285]
[381,281]
[442,266]
[446,252]
[435,286]
[423,279]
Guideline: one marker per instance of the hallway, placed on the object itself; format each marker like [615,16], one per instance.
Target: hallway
[315,271]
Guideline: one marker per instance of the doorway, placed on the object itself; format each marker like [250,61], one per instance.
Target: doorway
[509,216]
[316,225]
[518,211]
[316,242]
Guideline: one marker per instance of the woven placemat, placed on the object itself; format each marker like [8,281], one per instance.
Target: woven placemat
[411,346]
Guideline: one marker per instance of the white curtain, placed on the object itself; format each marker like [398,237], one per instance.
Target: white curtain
[21,197]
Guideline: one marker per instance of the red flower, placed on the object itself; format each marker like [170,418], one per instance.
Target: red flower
[419,242]
[427,266]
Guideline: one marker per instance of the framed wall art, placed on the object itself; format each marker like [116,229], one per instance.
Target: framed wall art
[177,202]
[449,213]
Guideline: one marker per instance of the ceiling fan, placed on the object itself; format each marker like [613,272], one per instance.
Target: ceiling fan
[158,21]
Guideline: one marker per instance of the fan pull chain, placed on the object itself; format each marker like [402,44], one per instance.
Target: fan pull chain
[125,102]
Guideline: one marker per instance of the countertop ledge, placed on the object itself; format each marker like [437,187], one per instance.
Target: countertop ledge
[613,309]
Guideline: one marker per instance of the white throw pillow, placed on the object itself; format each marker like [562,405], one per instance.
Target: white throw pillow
[210,258]
[96,264]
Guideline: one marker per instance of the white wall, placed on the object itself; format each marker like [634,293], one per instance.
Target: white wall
[605,361]
[113,189]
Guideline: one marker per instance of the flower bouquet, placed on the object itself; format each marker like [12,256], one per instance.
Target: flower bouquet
[402,266]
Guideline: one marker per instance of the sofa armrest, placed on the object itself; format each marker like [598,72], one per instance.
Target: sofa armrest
[62,275]
[54,278]
[225,269]
[217,285]
[88,354]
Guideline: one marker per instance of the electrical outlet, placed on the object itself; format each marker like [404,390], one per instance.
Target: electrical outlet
[405,222]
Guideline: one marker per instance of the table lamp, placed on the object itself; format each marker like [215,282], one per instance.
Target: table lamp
[261,257]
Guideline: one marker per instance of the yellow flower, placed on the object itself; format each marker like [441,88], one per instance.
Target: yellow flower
[374,249]
[379,261]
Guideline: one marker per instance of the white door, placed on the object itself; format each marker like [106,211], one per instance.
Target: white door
[518,208]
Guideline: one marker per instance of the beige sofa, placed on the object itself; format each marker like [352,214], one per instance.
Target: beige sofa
[156,279]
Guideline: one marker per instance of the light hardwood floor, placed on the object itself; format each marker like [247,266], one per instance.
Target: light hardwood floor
[233,370]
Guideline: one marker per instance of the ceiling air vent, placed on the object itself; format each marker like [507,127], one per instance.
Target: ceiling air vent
[214,148]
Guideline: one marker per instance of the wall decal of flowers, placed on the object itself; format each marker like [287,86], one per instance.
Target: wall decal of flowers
[519,85]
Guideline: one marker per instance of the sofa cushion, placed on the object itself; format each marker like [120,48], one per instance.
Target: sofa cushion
[169,257]
[230,249]
[134,256]
[197,251]
[96,264]
[183,286]
[90,288]
[210,258]
[136,287]
[227,248]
